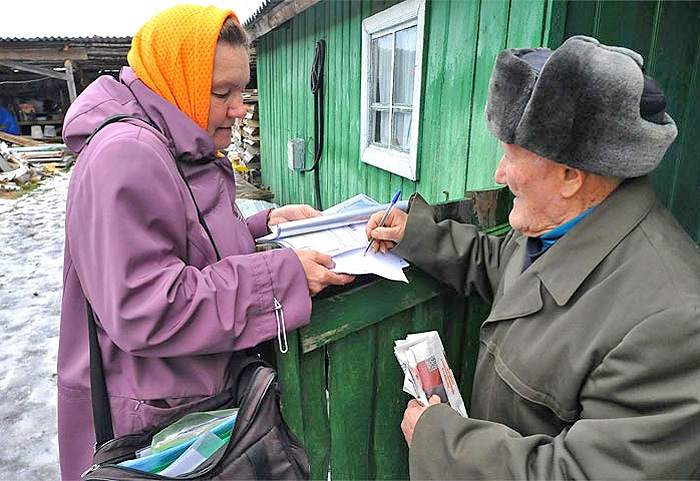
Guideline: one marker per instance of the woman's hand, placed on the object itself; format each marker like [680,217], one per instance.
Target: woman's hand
[391,234]
[291,212]
[413,412]
[316,267]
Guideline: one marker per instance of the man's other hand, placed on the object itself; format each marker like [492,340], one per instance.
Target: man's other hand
[414,410]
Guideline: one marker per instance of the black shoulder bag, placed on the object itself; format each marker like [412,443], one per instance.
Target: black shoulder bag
[261,445]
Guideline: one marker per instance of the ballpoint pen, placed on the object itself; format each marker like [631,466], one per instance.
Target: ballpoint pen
[381,222]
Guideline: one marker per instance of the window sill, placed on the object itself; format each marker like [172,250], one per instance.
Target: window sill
[395,162]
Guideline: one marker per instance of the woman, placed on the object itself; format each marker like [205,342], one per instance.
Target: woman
[169,313]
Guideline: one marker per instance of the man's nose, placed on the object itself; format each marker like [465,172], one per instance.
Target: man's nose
[500,176]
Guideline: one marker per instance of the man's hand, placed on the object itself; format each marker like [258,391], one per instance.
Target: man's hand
[291,212]
[414,410]
[316,267]
[391,234]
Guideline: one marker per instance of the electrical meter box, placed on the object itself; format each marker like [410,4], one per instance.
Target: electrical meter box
[295,154]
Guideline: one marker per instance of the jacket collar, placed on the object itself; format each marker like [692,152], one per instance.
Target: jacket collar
[566,265]
[594,238]
[186,140]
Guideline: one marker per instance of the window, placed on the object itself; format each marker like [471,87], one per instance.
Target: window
[392,46]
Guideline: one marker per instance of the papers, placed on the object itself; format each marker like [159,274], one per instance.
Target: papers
[340,233]
[387,265]
[422,358]
[248,207]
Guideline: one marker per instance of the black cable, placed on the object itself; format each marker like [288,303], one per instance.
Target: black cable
[317,90]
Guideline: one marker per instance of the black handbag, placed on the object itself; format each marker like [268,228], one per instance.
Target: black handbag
[261,445]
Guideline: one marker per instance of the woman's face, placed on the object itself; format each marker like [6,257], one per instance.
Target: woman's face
[230,76]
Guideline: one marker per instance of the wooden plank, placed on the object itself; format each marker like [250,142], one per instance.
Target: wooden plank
[352,183]
[286,10]
[315,413]
[685,194]
[290,384]
[484,150]
[335,317]
[580,18]
[678,25]
[351,388]
[34,69]
[525,22]
[455,332]
[19,140]
[634,32]
[476,312]
[389,449]
[44,54]
[555,27]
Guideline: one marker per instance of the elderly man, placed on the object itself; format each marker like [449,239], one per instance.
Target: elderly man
[589,362]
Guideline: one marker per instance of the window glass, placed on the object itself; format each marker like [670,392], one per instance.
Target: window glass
[404,66]
[401,130]
[381,69]
[380,127]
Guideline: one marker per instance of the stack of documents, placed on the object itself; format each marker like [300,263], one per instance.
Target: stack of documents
[426,372]
[185,444]
[340,233]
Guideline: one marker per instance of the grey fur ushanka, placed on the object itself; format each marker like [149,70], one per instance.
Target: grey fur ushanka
[582,110]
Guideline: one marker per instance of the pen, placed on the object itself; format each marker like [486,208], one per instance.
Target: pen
[381,222]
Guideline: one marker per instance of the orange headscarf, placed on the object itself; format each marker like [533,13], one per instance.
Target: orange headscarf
[173,54]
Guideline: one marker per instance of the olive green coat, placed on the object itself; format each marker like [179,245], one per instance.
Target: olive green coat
[589,362]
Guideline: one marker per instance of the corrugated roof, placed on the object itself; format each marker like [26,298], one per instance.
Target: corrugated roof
[93,39]
[264,8]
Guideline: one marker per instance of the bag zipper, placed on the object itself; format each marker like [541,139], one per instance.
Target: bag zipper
[192,474]
[281,328]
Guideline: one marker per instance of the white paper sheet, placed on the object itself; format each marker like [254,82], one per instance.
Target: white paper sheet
[340,233]
[386,265]
[332,241]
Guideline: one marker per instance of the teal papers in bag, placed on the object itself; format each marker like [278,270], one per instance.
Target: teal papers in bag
[157,461]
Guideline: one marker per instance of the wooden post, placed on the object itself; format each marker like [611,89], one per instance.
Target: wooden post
[70,79]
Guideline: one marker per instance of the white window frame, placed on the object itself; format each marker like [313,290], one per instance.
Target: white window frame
[400,16]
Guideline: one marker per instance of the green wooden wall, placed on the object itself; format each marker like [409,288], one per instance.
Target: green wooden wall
[341,383]
[456,152]
[667,34]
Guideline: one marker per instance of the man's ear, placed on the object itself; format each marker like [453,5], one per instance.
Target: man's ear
[572,181]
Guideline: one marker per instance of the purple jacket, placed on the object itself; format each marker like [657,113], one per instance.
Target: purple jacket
[169,314]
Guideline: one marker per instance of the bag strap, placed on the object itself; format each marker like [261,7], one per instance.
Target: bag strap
[118,118]
[101,412]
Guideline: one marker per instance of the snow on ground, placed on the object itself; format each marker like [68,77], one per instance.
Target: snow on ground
[31,263]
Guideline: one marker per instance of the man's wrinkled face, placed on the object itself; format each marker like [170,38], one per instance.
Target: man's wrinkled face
[535,181]
[230,76]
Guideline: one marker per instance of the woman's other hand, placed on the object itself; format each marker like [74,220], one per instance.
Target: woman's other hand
[291,212]
[391,234]
[316,267]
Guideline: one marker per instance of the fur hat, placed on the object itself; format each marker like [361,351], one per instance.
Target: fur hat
[580,105]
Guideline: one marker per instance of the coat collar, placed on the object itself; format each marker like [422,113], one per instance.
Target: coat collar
[567,264]
[594,238]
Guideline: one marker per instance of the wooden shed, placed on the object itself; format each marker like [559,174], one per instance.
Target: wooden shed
[341,382]
[40,77]
[452,151]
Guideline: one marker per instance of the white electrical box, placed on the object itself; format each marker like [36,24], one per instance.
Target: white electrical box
[295,154]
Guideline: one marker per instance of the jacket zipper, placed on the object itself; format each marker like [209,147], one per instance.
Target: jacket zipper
[281,328]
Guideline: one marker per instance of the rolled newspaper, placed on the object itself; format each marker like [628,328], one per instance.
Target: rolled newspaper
[426,372]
